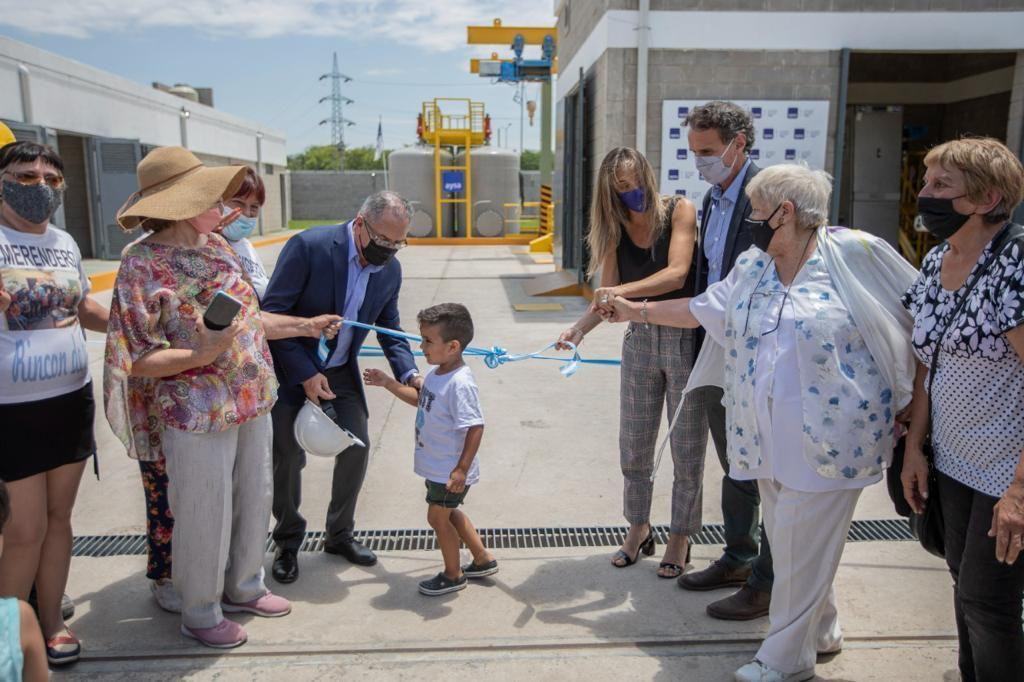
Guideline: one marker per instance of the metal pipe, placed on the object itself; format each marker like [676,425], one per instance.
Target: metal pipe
[183,123]
[259,174]
[26,93]
[839,148]
[643,32]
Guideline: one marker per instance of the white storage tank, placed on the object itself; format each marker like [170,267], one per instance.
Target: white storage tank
[495,182]
[411,174]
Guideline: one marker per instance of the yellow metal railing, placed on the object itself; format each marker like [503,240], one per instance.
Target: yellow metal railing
[513,213]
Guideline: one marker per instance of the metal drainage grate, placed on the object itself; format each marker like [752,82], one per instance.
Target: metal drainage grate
[411,539]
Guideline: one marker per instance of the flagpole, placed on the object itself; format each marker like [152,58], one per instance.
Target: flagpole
[380,148]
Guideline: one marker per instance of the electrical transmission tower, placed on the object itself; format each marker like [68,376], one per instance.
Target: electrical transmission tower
[338,101]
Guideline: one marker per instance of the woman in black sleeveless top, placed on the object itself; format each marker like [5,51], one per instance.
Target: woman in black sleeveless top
[644,245]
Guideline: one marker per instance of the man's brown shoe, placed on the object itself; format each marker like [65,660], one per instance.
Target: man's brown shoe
[715,576]
[746,604]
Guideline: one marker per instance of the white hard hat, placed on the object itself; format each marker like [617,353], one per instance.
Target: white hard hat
[318,435]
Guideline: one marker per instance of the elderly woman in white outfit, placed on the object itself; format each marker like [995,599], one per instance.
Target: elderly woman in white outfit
[812,348]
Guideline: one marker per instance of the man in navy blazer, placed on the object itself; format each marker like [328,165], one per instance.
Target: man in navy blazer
[347,269]
[721,137]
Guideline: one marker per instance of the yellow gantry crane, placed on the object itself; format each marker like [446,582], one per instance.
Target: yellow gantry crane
[517,70]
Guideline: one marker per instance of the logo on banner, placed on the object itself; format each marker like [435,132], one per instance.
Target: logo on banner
[755,112]
[790,154]
[768,134]
[815,133]
[783,133]
[453,181]
[689,174]
[673,133]
[681,192]
[793,112]
[755,154]
[798,133]
[684,112]
[673,173]
[681,153]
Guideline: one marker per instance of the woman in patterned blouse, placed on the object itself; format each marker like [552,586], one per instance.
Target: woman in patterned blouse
[817,365]
[199,398]
[977,394]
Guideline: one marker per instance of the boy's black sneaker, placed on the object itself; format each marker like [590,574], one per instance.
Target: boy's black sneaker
[475,570]
[442,584]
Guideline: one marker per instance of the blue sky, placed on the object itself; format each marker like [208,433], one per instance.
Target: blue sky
[263,57]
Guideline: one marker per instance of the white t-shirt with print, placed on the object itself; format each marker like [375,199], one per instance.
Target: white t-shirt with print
[252,265]
[449,406]
[42,344]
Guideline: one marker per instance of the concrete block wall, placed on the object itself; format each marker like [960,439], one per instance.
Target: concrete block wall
[331,195]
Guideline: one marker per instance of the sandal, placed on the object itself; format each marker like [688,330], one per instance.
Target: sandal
[676,569]
[646,547]
[63,648]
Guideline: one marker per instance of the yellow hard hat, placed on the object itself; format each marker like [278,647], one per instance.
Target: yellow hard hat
[6,136]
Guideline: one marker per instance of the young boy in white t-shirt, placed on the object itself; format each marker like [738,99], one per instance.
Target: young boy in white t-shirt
[449,427]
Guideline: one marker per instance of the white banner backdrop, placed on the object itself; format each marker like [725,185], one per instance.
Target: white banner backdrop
[785,131]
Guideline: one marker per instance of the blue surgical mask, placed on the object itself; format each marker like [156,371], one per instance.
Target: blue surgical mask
[240,228]
[634,199]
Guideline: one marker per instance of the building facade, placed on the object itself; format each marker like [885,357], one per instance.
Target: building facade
[885,80]
[102,125]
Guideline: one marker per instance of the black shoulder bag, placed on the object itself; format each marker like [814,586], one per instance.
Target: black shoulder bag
[929,526]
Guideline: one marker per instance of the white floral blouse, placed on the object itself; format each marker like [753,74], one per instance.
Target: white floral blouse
[848,411]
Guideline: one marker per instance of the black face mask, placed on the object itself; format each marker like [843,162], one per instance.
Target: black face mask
[939,216]
[377,255]
[761,231]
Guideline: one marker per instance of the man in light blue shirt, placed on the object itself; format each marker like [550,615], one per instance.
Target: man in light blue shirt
[720,136]
[355,293]
[723,202]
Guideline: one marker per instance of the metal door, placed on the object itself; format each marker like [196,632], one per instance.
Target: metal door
[576,179]
[877,161]
[112,180]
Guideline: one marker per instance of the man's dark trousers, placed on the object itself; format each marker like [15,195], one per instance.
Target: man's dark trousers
[349,466]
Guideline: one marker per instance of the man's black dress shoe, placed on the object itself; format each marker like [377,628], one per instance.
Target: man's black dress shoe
[352,550]
[286,566]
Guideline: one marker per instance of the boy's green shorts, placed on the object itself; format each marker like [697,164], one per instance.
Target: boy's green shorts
[438,494]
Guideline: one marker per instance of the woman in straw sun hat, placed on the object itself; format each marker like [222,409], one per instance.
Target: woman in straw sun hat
[198,398]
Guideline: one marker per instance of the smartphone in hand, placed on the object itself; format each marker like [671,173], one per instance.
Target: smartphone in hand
[222,311]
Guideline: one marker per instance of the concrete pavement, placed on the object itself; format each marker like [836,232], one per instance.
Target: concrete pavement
[549,458]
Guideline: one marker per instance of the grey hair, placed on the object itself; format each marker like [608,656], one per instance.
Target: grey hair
[808,189]
[379,203]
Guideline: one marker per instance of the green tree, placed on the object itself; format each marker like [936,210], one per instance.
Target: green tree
[317,157]
[361,158]
[325,157]
[529,160]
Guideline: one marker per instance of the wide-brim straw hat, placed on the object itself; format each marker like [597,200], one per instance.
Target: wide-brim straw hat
[175,185]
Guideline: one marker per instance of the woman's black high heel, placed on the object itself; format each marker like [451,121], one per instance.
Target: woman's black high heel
[675,570]
[646,548]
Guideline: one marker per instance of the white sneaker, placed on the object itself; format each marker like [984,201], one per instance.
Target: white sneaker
[756,671]
[830,647]
[165,595]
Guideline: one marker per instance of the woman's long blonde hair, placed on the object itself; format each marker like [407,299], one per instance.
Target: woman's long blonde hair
[608,215]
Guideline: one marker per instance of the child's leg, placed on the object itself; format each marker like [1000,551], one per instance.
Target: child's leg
[439,519]
[467,531]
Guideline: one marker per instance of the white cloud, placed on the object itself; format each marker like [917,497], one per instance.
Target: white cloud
[438,26]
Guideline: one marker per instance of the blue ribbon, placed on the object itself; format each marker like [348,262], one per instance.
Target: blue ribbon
[493,357]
